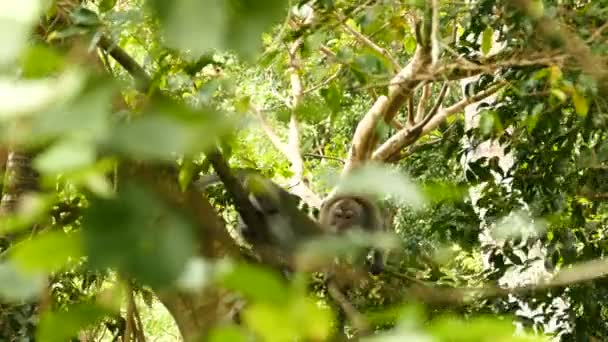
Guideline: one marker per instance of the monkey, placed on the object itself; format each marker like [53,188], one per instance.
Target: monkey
[344,212]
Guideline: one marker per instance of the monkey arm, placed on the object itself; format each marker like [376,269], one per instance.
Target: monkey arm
[241,197]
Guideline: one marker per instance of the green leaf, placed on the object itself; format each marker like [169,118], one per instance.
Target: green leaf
[228,333]
[203,25]
[410,44]
[302,319]
[262,318]
[66,155]
[486,40]
[65,324]
[256,283]
[30,96]
[139,235]
[41,61]
[106,5]
[581,105]
[478,329]
[16,285]
[352,245]
[171,129]
[85,17]
[49,251]
[16,19]
[33,208]
[186,172]
[333,97]
[312,110]
[559,94]
[84,112]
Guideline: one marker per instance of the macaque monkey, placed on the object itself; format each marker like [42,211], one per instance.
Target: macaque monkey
[344,212]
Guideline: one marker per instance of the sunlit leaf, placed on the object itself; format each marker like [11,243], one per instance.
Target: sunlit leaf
[16,285]
[480,329]
[256,283]
[410,44]
[16,20]
[41,61]
[518,224]
[581,105]
[195,276]
[559,94]
[49,251]
[32,208]
[439,192]
[27,96]
[486,40]
[65,156]
[377,180]
[106,5]
[262,318]
[319,252]
[169,131]
[84,115]
[228,333]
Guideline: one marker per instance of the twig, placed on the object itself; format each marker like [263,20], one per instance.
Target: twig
[320,156]
[325,82]
[411,119]
[366,41]
[130,322]
[597,33]
[440,98]
[139,332]
[351,312]
[424,97]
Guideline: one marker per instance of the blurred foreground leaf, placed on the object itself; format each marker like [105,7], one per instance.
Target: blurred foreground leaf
[15,285]
[139,235]
[63,325]
[49,251]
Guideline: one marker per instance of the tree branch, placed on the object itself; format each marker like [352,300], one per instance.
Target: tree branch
[294,155]
[424,97]
[386,107]
[369,43]
[459,106]
[143,82]
[409,135]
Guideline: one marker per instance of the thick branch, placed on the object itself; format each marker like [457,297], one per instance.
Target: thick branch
[408,136]
[294,156]
[359,149]
[386,107]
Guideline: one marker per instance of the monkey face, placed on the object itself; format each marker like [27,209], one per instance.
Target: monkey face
[347,213]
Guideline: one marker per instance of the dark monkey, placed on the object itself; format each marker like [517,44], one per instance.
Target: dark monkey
[344,212]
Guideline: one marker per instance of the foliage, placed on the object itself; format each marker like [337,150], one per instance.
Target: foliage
[103,224]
